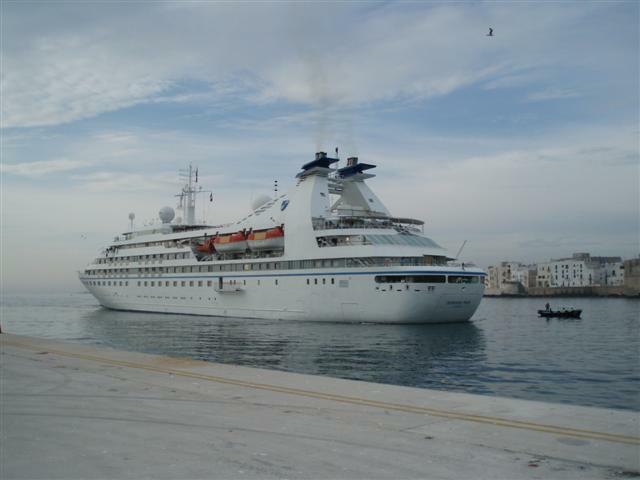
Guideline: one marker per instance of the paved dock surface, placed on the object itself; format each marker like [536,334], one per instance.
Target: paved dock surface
[75,411]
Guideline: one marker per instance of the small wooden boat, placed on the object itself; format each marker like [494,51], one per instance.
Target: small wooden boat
[572,313]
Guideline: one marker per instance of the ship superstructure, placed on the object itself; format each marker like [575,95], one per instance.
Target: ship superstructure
[328,250]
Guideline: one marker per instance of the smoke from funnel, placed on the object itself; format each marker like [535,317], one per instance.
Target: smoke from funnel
[331,122]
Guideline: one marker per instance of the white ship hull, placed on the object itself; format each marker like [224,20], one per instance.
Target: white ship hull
[353,297]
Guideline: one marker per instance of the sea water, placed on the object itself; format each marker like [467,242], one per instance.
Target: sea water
[506,350]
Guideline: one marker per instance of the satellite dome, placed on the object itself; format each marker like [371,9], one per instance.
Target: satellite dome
[132,216]
[259,201]
[166,214]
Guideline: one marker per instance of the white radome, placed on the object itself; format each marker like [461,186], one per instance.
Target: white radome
[166,214]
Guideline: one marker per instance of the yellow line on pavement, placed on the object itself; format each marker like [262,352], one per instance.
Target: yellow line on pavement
[497,421]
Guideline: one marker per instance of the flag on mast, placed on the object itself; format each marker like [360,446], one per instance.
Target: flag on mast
[211,197]
[196,175]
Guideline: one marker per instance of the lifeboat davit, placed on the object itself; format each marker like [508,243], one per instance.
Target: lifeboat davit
[207,247]
[232,243]
[272,239]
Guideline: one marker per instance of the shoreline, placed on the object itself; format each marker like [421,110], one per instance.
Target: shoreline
[565,295]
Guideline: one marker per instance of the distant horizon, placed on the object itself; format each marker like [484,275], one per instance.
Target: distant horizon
[524,144]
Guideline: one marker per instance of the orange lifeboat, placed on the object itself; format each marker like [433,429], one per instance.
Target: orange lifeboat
[207,247]
[272,239]
[231,243]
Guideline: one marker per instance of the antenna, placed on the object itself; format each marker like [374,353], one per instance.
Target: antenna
[460,251]
[187,197]
[132,216]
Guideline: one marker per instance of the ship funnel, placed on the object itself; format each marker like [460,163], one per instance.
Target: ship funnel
[351,161]
[321,155]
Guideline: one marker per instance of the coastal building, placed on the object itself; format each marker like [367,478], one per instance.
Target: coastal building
[631,281]
[614,274]
[507,279]
[580,274]
[498,275]
[583,270]
[526,275]
[543,275]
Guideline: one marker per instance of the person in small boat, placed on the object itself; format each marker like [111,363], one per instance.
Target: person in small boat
[547,307]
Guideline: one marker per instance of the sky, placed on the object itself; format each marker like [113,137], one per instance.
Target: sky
[524,144]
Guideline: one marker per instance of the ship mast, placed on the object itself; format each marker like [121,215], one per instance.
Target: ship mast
[188,194]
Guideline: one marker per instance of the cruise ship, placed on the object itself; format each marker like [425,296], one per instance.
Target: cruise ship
[328,250]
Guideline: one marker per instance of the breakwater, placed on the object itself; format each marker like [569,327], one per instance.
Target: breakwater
[592,291]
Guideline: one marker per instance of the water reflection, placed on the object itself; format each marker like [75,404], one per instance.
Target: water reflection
[506,350]
[416,355]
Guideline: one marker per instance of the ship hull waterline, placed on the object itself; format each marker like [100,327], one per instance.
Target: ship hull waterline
[291,298]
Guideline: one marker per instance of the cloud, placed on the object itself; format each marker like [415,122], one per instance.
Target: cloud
[552,94]
[122,181]
[117,57]
[42,168]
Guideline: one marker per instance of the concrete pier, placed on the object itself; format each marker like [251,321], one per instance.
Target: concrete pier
[75,411]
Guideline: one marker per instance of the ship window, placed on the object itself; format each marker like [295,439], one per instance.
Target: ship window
[153,284]
[183,283]
[324,281]
[145,284]
[258,282]
[463,279]
[307,281]
[244,282]
[199,283]
[191,283]
[247,266]
[166,284]
[333,281]
[315,281]
[138,283]
[208,283]
[276,281]
[175,283]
